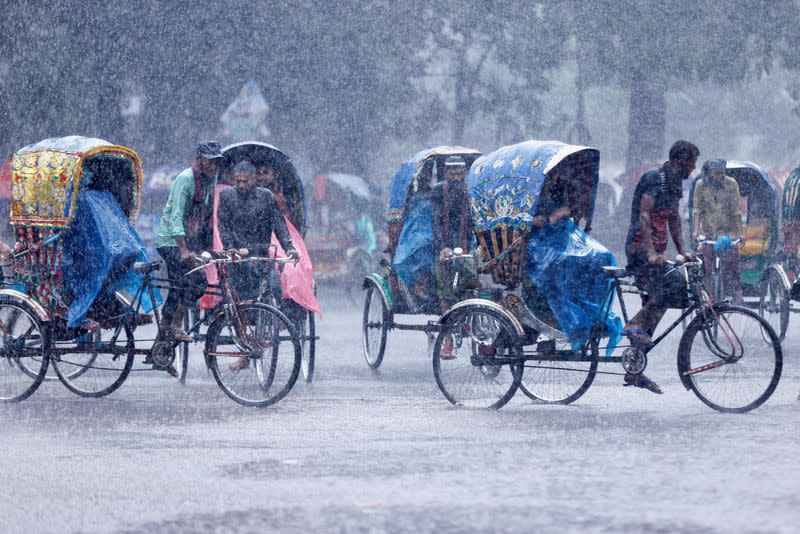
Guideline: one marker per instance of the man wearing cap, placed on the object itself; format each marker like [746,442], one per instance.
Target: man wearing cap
[184,232]
[718,214]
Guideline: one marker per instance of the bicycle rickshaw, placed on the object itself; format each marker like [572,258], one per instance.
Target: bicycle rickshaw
[512,322]
[286,181]
[762,268]
[387,295]
[81,292]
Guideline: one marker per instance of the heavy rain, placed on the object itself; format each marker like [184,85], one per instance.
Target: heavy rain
[400,266]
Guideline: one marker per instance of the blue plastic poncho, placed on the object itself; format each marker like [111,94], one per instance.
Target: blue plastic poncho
[99,248]
[565,265]
[415,247]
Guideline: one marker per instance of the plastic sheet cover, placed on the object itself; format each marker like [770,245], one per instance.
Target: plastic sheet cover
[99,248]
[565,265]
[415,248]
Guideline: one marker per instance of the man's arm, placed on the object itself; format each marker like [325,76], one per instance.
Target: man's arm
[736,212]
[699,209]
[182,195]
[224,219]
[278,225]
[676,231]
[647,204]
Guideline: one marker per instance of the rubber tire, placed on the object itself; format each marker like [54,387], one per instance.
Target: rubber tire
[774,280]
[686,343]
[516,371]
[37,378]
[214,330]
[372,292]
[592,347]
[124,372]
[309,347]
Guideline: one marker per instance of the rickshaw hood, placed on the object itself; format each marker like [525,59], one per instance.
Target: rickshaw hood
[503,187]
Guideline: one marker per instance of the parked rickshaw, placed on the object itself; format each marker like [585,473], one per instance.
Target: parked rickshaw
[285,183]
[542,319]
[387,296]
[342,237]
[763,276]
[82,287]
[780,286]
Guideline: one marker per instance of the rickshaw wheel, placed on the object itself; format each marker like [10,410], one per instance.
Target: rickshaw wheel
[773,304]
[560,381]
[725,361]
[24,350]
[485,371]
[257,364]
[92,365]
[375,326]
[309,347]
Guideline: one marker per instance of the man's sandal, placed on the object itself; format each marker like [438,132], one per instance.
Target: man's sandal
[638,335]
[641,381]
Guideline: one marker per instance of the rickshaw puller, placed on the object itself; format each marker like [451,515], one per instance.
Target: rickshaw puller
[716,200]
[185,229]
[654,214]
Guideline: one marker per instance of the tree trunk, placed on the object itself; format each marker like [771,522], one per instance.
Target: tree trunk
[646,123]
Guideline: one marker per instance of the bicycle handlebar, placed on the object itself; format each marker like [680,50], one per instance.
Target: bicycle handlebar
[240,256]
[701,240]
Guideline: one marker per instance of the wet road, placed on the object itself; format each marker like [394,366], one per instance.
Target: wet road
[363,451]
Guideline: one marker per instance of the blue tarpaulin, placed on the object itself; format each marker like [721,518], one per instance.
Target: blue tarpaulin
[565,265]
[99,248]
[415,248]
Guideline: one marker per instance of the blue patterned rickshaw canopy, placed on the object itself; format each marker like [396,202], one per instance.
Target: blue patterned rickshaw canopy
[402,178]
[504,187]
[47,176]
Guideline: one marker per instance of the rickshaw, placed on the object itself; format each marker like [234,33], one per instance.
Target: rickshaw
[82,286]
[342,238]
[780,286]
[387,296]
[287,181]
[58,186]
[542,318]
[763,275]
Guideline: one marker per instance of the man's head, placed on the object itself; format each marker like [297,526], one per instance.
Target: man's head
[714,170]
[683,158]
[209,155]
[266,175]
[455,169]
[244,177]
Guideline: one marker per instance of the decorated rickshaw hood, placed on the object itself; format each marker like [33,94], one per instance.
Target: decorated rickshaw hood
[401,179]
[503,187]
[47,176]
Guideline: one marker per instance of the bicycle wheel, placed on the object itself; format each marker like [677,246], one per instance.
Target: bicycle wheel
[254,354]
[309,347]
[488,377]
[23,350]
[724,359]
[95,364]
[559,381]
[375,326]
[773,304]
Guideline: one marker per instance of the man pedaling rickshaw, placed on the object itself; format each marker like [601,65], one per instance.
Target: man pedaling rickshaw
[654,215]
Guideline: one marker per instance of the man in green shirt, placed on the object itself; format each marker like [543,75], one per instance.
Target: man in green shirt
[184,232]
[718,214]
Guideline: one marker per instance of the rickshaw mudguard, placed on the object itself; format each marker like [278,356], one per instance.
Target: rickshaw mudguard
[383,286]
[486,304]
[781,272]
[41,312]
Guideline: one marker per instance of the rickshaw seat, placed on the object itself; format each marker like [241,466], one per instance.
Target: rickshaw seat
[615,272]
[506,248]
[146,267]
[756,240]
